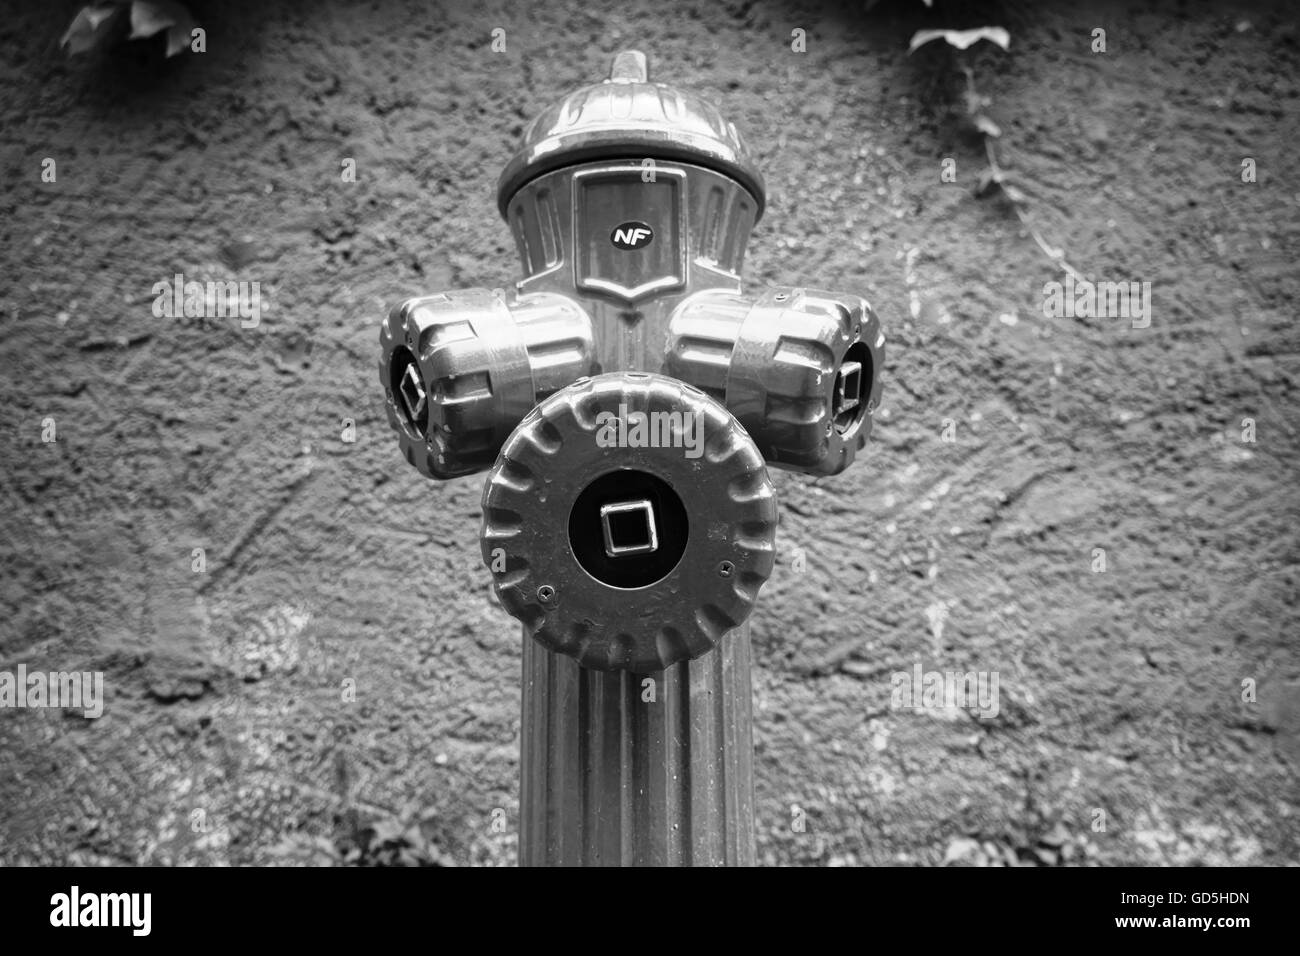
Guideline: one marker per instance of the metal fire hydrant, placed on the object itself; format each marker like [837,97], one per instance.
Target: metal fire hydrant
[627,396]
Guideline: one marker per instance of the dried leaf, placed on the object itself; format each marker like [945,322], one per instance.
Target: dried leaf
[149,17]
[987,126]
[97,24]
[988,179]
[91,27]
[961,39]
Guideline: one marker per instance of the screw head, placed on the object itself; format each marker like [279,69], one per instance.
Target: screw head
[726,569]
[546,594]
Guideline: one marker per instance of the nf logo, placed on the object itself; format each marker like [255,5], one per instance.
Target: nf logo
[632,235]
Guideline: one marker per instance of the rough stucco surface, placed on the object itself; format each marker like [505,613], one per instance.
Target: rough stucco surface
[225,733]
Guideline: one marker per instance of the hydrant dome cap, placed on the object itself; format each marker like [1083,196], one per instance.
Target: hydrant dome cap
[627,117]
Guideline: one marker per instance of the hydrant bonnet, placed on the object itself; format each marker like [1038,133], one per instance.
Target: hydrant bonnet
[627,117]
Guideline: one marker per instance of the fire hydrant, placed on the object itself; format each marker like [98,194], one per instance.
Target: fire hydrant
[627,397]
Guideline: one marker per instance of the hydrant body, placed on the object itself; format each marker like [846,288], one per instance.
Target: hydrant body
[626,397]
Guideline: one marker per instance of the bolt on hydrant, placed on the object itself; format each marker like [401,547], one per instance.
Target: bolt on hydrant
[626,399]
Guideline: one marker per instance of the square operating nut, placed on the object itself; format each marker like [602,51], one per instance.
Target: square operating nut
[629,528]
[848,386]
[412,393]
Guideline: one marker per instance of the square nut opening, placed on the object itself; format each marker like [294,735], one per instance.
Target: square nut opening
[412,392]
[629,528]
[848,388]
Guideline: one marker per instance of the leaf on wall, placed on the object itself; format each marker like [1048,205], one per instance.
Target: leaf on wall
[91,27]
[149,17]
[96,25]
[987,126]
[961,39]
